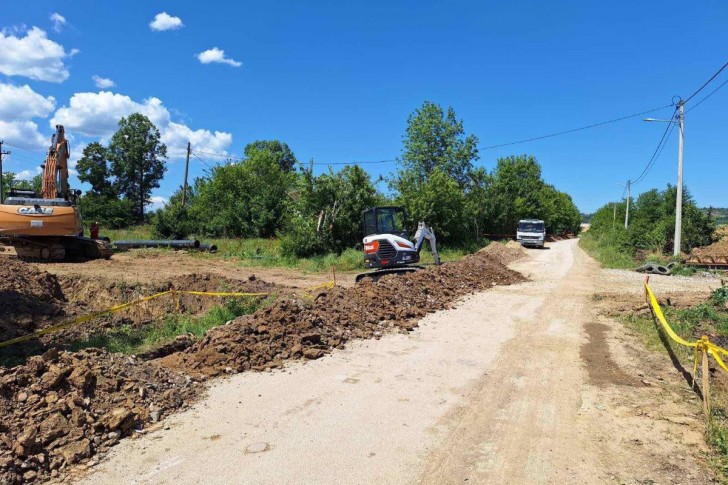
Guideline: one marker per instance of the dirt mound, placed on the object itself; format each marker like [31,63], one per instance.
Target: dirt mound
[503,253]
[718,249]
[60,409]
[27,296]
[31,299]
[293,329]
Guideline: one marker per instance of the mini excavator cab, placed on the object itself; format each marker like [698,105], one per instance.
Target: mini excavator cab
[385,220]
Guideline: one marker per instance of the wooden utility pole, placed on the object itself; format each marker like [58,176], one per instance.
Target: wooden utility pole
[187,166]
[2,187]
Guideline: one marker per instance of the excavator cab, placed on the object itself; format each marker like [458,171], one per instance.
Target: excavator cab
[385,220]
[387,247]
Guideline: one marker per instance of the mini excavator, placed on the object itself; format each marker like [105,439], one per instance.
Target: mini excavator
[47,226]
[387,247]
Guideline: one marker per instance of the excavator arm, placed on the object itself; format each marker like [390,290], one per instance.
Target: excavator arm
[426,233]
[55,170]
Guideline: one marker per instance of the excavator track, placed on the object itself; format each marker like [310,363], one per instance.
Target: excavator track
[375,275]
[56,249]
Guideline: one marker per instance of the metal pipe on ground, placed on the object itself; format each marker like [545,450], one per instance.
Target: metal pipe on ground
[208,247]
[161,243]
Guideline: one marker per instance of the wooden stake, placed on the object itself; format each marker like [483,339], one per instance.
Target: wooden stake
[706,384]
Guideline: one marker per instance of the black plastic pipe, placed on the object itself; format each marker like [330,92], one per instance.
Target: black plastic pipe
[161,243]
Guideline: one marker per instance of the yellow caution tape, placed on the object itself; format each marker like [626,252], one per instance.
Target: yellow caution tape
[330,284]
[124,306]
[702,345]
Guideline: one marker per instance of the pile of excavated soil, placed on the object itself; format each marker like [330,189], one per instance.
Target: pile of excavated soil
[87,296]
[293,329]
[32,299]
[718,249]
[27,297]
[503,253]
[59,409]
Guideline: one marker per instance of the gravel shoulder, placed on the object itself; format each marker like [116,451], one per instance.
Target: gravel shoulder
[518,384]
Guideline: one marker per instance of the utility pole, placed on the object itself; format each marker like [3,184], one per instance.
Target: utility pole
[614,217]
[679,201]
[626,214]
[187,165]
[2,188]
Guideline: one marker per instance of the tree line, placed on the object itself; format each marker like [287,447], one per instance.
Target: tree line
[270,193]
[651,227]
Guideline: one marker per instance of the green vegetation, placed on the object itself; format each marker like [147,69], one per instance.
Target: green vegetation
[707,318]
[315,216]
[651,231]
[122,175]
[10,181]
[268,253]
[134,340]
[438,182]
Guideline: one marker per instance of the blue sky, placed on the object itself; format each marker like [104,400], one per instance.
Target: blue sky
[337,82]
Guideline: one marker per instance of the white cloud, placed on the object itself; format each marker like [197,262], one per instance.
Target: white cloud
[164,21]
[103,82]
[157,202]
[216,55]
[58,21]
[34,56]
[22,103]
[98,115]
[28,174]
[23,134]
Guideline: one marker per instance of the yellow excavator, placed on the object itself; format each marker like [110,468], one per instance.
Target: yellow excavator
[47,226]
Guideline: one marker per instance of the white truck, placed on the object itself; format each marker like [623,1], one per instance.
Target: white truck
[531,232]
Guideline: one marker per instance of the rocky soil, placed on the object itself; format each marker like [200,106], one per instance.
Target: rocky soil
[61,408]
[293,329]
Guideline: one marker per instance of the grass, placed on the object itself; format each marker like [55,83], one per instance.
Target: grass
[707,318]
[265,253]
[132,340]
[609,255]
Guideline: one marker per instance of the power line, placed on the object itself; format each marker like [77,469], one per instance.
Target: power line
[707,82]
[206,164]
[363,162]
[706,97]
[356,163]
[658,150]
[601,123]
[220,155]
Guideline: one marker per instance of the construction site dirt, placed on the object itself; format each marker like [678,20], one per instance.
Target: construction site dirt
[60,409]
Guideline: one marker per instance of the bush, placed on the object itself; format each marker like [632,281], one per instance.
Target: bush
[173,222]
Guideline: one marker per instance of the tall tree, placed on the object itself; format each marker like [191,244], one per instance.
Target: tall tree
[436,140]
[435,169]
[137,159]
[280,151]
[93,168]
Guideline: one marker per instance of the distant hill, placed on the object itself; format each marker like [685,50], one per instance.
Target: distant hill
[586,218]
[720,214]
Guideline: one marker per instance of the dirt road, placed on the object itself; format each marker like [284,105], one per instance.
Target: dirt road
[519,384]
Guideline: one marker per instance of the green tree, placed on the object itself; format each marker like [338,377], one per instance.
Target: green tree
[10,181]
[93,168]
[435,171]
[281,152]
[436,140]
[441,203]
[137,160]
[246,199]
[327,211]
